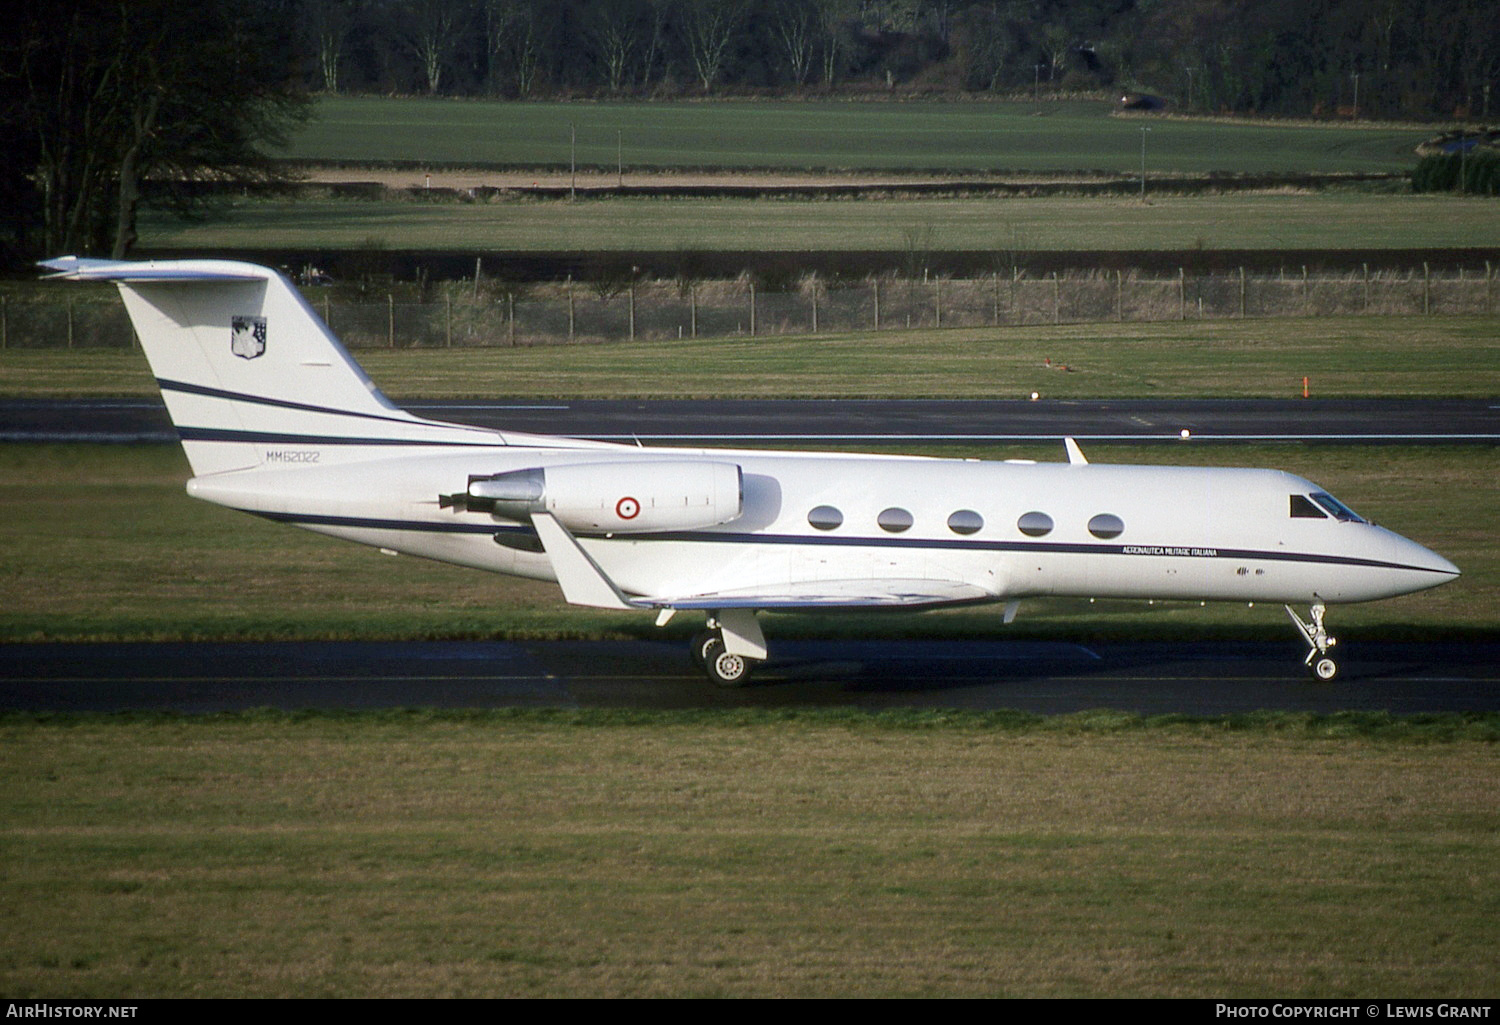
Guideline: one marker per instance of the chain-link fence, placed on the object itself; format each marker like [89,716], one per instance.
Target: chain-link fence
[651,310]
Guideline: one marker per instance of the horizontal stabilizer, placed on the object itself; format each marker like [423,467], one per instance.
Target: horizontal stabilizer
[74,268]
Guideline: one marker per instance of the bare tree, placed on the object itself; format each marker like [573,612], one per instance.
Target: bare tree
[513,34]
[794,31]
[329,24]
[708,27]
[831,17]
[654,32]
[105,96]
[983,45]
[431,30]
[614,30]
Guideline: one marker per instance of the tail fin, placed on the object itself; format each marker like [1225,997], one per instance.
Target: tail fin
[247,368]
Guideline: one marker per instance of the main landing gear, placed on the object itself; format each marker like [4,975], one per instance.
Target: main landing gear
[720,666]
[711,652]
[1319,662]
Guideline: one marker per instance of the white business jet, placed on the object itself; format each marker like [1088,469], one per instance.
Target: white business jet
[279,421]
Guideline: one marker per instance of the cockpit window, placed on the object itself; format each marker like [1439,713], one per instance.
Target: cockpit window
[1338,510]
[1303,509]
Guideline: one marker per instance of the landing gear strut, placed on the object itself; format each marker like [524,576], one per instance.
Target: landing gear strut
[1318,661]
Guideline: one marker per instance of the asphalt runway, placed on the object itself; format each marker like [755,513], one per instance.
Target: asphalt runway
[1034,676]
[768,422]
[1046,678]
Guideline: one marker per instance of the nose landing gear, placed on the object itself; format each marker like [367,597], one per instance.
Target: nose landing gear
[1319,662]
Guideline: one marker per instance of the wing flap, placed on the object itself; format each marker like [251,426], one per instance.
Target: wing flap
[832,594]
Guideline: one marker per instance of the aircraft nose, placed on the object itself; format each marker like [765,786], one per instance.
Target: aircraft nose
[1411,554]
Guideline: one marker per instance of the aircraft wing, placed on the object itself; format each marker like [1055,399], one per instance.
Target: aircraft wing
[584,583]
[831,594]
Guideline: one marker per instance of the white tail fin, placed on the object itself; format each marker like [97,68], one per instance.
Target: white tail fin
[251,376]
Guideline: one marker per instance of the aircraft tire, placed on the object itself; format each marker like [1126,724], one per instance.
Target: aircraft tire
[698,647]
[1324,669]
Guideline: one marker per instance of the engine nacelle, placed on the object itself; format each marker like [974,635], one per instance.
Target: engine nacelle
[631,497]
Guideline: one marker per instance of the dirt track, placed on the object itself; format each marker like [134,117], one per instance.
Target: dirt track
[448,178]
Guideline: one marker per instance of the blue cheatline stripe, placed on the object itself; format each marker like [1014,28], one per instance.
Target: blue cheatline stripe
[419,526]
[261,400]
[270,438]
[718,537]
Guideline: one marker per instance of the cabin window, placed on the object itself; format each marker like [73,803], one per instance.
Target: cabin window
[1106,525]
[1303,509]
[894,520]
[825,517]
[1035,524]
[1338,510]
[966,521]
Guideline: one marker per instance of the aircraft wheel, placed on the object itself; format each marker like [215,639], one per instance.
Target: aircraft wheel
[725,669]
[1324,668]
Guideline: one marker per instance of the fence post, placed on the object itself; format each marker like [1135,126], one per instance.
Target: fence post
[570,308]
[1119,295]
[693,308]
[1056,298]
[448,320]
[632,308]
[995,286]
[877,304]
[1306,298]
[815,308]
[510,318]
[752,309]
[390,320]
[1181,294]
[1366,267]
[1242,293]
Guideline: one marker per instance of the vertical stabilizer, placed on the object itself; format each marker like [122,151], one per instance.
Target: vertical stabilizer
[247,368]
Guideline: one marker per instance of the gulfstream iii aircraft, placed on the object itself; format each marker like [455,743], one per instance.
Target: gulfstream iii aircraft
[278,420]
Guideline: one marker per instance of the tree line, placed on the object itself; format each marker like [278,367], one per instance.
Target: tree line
[1378,58]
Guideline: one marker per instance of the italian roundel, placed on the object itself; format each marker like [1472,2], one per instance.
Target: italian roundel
[247,336]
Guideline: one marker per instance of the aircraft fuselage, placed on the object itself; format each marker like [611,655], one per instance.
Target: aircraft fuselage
[1115,531]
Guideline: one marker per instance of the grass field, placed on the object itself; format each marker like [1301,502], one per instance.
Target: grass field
[564,854]
[492,855]
[952,137]
[1329,220]
[1255,358]
[103,543]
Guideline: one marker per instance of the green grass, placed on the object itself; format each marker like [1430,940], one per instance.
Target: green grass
[102,543]
[953,137]
[1350,220]
[495,855]
[1227,359]
[1255,358]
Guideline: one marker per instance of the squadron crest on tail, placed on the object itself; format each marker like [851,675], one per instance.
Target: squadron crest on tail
[247,336]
